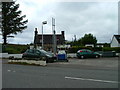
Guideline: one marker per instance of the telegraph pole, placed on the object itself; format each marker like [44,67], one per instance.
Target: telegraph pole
[54,36]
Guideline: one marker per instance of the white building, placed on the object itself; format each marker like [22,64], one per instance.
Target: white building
[89,45]
[115,41]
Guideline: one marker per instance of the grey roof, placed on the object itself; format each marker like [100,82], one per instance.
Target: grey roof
[117,38]
[48,39]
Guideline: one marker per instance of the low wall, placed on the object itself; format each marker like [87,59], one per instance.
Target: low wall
[4,55]
[29,62]
[15,55]
[71,55]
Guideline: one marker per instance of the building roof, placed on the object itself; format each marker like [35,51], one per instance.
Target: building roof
[102,43]
[48,39]
[117,38]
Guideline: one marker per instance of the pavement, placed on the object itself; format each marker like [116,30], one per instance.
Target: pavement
[99,63]
[77,73]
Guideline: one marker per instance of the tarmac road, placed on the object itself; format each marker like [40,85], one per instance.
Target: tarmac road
[61,75]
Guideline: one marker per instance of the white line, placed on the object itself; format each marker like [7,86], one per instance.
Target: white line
[14,71]
[75,78]
[9,70]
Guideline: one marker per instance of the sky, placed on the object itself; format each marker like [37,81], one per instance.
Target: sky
[75,18]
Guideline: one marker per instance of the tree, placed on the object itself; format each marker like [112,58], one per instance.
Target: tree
[12,21]
[88,39]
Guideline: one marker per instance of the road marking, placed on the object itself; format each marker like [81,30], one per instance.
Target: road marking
[9,70]
[14,71]
[75,78]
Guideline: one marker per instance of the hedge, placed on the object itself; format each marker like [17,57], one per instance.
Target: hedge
[14,49]
[18,49]
[116,49]
[74,49]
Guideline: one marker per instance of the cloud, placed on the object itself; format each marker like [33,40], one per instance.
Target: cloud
[92,18]
[75,18]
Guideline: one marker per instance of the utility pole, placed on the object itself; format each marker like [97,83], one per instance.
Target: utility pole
[54,36]
[44,22]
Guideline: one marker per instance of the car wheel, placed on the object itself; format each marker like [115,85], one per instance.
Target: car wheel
[66,60]
[96,56]
[81,57]
[11,57]
[78,57]
[24,58]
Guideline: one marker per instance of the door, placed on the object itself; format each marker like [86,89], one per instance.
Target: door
[37,54]
[30,53]
[89,53]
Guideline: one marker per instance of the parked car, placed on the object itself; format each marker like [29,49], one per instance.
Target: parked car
[85,53]
[38,54]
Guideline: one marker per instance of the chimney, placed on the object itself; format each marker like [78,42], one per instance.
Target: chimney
[36,32]
[63,33]
[35,37]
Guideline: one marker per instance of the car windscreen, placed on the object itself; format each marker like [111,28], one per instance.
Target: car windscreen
[43,51]
[29,51]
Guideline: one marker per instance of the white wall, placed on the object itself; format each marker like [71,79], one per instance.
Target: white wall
[114,42]
[100,45]
[118,45]
[15,55]
[89,45]
[4,55]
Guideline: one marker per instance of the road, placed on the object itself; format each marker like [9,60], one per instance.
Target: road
[59,75]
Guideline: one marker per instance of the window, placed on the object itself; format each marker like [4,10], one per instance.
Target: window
[37,52]
[40,40]
[89,51]
[30,51]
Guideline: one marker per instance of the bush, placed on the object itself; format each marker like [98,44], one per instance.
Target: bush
[74,49]
[97,49]
[116,49]
[15,49]
[11,51]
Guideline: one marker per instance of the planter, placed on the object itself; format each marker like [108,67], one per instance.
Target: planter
[33,62]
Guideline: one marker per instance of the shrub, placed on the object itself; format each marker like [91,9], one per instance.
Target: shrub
[15,49]
[116,49]
[97,49]
[74,49]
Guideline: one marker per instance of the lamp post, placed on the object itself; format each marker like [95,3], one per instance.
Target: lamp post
[54,36]
[44,22]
